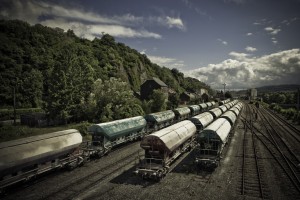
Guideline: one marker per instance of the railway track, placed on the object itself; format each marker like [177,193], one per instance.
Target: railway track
[282,152]
[252,170]
[75,187]
[271,138]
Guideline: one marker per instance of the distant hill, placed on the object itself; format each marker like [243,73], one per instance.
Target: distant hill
[278,88]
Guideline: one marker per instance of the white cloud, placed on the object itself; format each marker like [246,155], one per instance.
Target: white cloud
[169,22]
[249,34]
[222,41]
[250,49]
[244,71]
[166,62]
[84,23]
[272,31]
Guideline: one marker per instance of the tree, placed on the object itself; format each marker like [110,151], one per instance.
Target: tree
[114,100]
[173,101]
[228,95]
[158,101]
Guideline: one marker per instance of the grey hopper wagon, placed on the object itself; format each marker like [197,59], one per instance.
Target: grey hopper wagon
[216,112]
[202,120]
[25,158]
[195,109]
[163,147]
[230,116]
[110,134]
[203,107]
[159,120]
[211,143]
[223,108]
[182,113]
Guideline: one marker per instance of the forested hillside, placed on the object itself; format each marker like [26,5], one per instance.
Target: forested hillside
[57,71]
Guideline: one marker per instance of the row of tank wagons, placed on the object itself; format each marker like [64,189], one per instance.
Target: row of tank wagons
[164,146]
[106,136]
[23,159]
[212,139]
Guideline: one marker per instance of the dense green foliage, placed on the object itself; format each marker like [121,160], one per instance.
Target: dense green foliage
[280,97]
[290,113]
[58,72]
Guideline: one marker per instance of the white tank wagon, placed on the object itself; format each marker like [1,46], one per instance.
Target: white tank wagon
[203,107]
[182,113]
[237,109]
[107,135]
[202,120]
[228,105]
[209,104]
[216,112]
[156,121]
[230,116]
[22,159]
[211,142]
[163,147]
[224,102]
[213,103]
[239,105]
[223,108]
[195,109]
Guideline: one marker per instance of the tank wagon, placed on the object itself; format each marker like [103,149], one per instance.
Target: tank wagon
[156,121]
[223,108]
[216,112]
[211,141]
[224,102]
[107,135]
[25,158]
[230,116]
[203,107]
[163,147]
[182,113]
[195,110]
[202,120]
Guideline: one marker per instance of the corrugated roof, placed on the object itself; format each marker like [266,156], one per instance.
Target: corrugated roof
[160,82]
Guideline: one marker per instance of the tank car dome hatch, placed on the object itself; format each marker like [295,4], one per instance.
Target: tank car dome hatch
[160,116]
[169,138]
[218,130]
[202,120]
[118,128]
[216,112]
[230,116]
[17,154]
[182,111]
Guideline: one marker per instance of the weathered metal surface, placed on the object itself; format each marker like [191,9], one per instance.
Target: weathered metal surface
[182,111]
[202,120]
[230,116]
[160,117]
[216,112]
[203,106]
[119,128]
[218,130]
[16,154]
[168,139]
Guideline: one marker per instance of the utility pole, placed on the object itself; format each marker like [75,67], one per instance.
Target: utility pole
[224,89]
[15,106]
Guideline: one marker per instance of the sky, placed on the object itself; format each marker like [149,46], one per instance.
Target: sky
[243,43]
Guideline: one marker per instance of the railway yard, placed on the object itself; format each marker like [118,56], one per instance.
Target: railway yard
[260,161]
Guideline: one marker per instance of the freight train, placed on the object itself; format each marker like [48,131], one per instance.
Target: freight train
[212,139]
[26,158]
[164,146]
[23,159]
